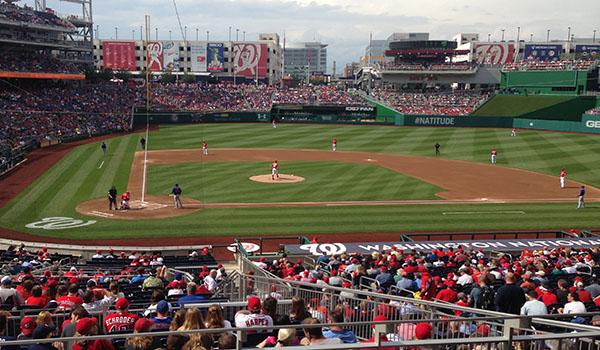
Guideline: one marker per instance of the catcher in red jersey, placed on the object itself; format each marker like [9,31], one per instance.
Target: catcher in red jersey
[274,170]
[122,320]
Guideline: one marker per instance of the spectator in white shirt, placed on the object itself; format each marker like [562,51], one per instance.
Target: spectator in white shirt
[464,278]
[532,306]
[574,306]
[210,281]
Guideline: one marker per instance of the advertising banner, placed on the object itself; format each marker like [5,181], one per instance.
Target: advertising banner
[250,60]
[591,50]
[198,57]
[214,57]
[119,55]
[426,246]
[155,56]
[171,56]
[494,53]
[449,121]
[542,52]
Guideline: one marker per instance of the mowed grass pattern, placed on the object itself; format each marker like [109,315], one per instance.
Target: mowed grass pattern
[77,178]
[227,182]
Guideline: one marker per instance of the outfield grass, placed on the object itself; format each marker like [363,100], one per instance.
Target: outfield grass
[227,182]
[76,178]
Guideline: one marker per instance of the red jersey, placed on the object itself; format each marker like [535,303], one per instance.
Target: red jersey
[68,301]
[36,301]
[125,197]
[120,322]
[493,152]
[563,173]
[275,165]
[204,145]
[334,141]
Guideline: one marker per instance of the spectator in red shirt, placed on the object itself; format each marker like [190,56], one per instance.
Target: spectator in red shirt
[584,295]
[71,299]
[89,327]
[547,297]
[122,320]
[447,294]
[37,298]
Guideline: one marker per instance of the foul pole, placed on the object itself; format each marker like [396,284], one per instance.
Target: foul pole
[145,44]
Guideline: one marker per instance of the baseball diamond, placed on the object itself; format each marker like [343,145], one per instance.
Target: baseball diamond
[384,180]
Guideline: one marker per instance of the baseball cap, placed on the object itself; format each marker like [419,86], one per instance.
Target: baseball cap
[43,331]
[121,304]
[253,303]
[85,324]
[27,325]
[423,331]
[6,280]
[162,306]
[143,325]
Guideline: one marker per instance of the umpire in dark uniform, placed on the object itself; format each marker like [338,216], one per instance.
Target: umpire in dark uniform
[143,143]
[112,198]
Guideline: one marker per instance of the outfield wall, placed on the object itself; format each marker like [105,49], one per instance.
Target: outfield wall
[588,124]
[452,121]
[139,117]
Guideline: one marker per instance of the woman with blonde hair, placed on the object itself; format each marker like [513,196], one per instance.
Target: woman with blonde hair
[215,319]
[193,321]
[44,318]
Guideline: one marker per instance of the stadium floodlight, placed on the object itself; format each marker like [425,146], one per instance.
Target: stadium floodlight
[569,33]
[116,33]
[548,36]
[502,33]
[229,33]
[133,34]
[207,35]
[237,33]
[197,31]
[156,33]
[594,36]
[531,37]
[244,36]
[489,35]
[169,34]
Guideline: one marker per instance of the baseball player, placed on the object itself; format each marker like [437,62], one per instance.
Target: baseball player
[176,192]
[563,177]
[437,149]
[334,144]
[143,143]
[205,148]
[125,198]
[103,148]
[581,197]
[112,198]
[274,123]
[513,132]
[274,170]
[493,155]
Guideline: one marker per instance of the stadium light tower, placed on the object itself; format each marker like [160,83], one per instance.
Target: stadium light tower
[169,34]
[502,33]
[594,36]
[569,33]
[229,33]
[97,30]
[489,36]
[197,31]
[548,36]
[156,33]
[185,33]
[244,36]
[133,34]
[116,33]
[531,37]
[207,35]
[237,33]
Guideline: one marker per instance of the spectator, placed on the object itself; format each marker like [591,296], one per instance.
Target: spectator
[27,327]
[191,296]
[337,316]
[573,306]
[532,306]
[68,326]
[252,317]
[158,295]
[509,297]
[215,319]
[3,337]
[285,337]
[71,299]
[122,320]
[210,281]
[193,320]
[152,281]
[313,336]
[447,294]
[37,298]
[8,295]
[227,341]
[142,325]
[423,331]
[86,327]
[298,312]
[162,320]
[44,332]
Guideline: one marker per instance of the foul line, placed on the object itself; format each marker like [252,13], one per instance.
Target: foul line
[483,212]
[100,214]
[101,164]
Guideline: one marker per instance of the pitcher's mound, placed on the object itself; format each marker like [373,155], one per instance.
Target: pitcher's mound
[283,179]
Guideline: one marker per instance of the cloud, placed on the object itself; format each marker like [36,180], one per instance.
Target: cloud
[345,24]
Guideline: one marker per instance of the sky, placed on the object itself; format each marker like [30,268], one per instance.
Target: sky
[345,25]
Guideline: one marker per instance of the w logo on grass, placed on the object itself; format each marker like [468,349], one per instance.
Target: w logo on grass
[59,223]
[327,248]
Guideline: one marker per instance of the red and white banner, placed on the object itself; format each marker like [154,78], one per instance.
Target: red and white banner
[248,59]
[119,55]
[155,56]
[494,53]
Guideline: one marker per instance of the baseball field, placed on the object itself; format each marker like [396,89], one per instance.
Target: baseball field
[381,180]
